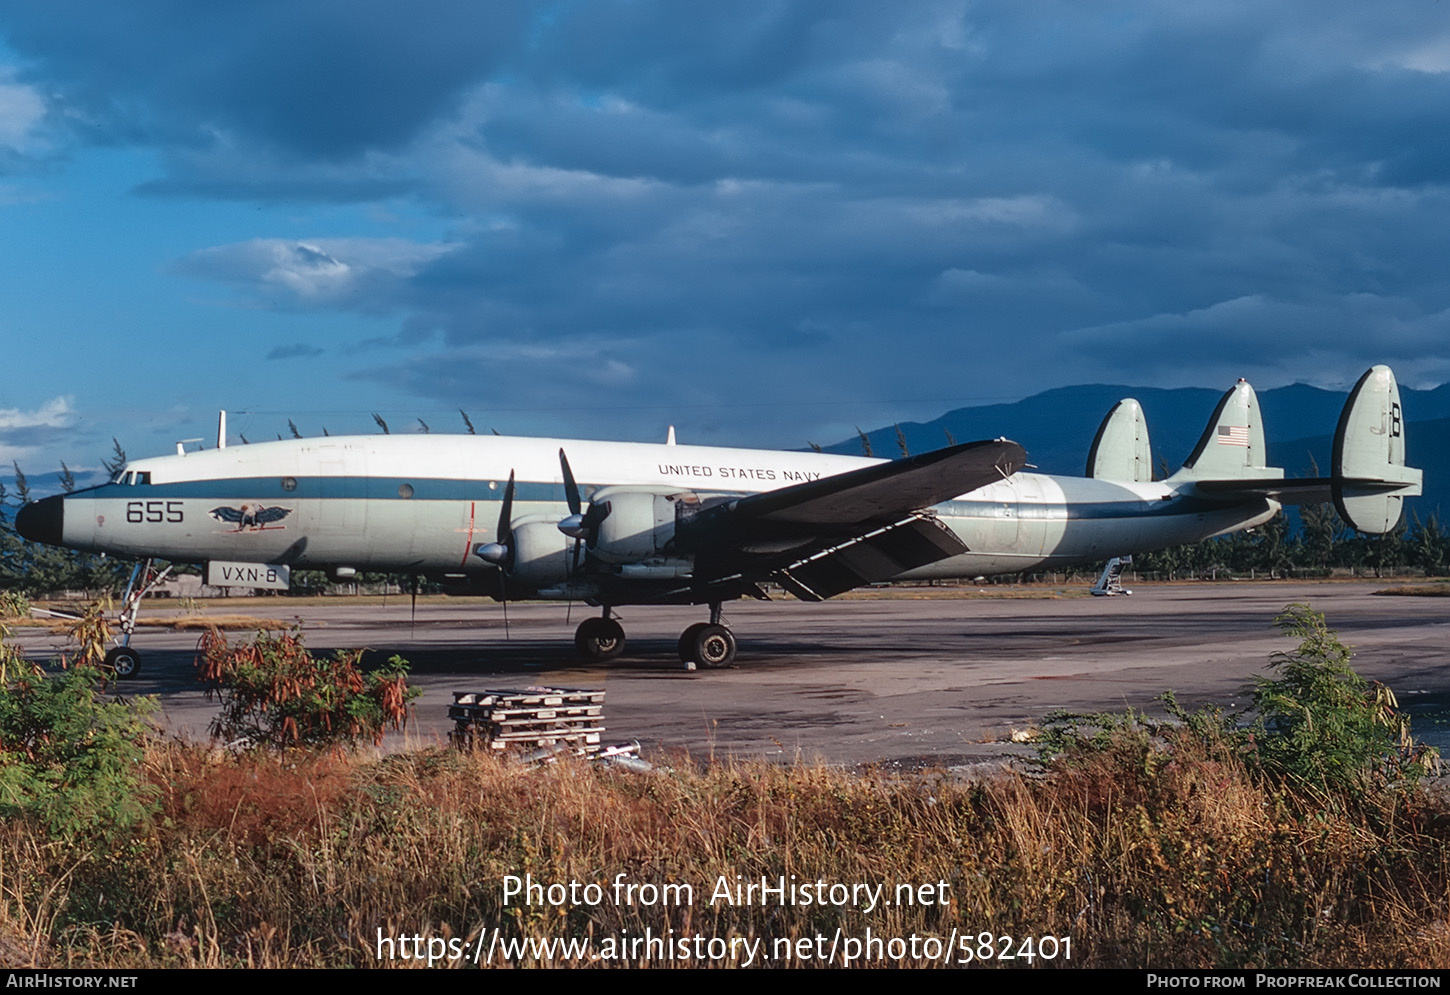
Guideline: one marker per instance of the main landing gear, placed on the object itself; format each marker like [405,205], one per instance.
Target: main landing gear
[708,644]
[705,644]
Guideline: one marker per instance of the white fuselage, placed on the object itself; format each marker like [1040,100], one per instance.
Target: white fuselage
[425,503]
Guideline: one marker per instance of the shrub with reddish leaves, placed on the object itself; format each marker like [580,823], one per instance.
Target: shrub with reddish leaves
[275,693]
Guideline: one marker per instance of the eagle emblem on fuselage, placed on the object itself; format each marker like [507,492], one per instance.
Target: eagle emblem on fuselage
[253,517]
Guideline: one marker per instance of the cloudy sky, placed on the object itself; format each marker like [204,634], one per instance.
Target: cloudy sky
[764,222]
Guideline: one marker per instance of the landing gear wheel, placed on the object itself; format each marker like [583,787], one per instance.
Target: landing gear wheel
[711,646]
[686,645]
[599,638]
[124,662]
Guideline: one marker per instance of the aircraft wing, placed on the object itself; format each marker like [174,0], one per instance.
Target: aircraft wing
[826,536]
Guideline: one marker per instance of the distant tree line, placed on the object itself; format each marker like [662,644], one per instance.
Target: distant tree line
[1322,546]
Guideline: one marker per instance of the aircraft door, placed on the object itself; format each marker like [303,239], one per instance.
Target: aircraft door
[342,494]
[1032,523]
[1002,524]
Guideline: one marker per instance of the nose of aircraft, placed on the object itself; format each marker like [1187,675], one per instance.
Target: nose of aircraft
[43,520]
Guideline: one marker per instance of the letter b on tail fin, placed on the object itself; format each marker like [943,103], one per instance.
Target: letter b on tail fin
[1370,478]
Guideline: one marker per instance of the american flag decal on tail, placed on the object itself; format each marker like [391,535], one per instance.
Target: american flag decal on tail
[1233,435]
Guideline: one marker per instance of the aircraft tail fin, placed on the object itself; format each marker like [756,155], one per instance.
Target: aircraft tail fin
[1232,446]
[1121,450]
[1370,480]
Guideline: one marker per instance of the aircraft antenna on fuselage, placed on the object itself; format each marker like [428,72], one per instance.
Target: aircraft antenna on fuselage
[221,429]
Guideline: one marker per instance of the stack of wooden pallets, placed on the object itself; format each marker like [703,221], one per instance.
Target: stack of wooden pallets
[533,719]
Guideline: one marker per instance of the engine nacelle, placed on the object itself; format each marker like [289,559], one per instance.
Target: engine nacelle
[542,554]
[634,523]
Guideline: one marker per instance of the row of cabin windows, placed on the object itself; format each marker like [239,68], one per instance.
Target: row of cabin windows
[143,477]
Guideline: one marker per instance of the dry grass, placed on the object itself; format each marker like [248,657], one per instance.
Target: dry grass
[1438,590]
[1172,858]
[250,623]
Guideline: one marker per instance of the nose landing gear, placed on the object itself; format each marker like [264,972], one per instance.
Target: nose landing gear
[600,638]
[123,660]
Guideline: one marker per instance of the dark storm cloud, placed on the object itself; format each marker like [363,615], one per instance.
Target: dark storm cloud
[1261,338]
[325,79]
[815,201]
[673,53]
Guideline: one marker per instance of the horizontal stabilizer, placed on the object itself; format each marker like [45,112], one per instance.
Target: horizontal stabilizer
[1295,490]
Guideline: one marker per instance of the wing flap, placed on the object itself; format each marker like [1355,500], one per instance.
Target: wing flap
[876,556]
[829,535]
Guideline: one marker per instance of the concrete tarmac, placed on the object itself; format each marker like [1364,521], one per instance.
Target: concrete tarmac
[935,682]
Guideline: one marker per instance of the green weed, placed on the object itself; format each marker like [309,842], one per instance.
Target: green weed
[1320,724]
[70,757]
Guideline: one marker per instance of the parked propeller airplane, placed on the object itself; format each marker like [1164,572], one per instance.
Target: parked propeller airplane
[673,524]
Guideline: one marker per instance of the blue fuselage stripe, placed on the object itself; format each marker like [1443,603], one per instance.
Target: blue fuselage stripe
[274,489]
[310,488]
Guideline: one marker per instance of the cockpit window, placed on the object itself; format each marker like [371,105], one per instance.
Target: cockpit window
[135,477]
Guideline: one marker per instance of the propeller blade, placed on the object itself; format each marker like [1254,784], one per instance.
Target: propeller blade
[573,525]
[506,513]
[571,489]
[503,600]
[503,537]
